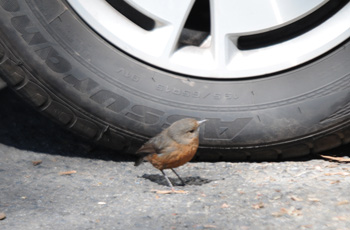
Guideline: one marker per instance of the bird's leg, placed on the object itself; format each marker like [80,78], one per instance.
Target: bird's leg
[183,183]
[171,185]
[167,179]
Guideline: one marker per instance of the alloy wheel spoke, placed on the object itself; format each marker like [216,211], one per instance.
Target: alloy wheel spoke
[170,17]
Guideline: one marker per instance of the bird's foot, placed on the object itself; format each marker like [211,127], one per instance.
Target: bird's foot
[170,191]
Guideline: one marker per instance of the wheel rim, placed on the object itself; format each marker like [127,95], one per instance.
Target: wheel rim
[166,42]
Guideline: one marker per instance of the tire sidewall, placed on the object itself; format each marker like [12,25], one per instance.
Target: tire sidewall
[91,76]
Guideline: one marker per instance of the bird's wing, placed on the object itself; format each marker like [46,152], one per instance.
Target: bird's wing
[147,148]
[156,145]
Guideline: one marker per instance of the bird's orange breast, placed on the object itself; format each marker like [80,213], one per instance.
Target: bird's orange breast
[179,155]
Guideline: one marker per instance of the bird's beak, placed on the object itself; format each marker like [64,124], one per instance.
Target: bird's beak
[201,122]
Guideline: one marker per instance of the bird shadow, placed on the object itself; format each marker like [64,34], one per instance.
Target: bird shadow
[191,180]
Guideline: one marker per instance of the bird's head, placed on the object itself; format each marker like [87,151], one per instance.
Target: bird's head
[185,130]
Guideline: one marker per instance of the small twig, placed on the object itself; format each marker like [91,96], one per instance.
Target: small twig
[340,159]
[35,163]
[169,191]
[67,172]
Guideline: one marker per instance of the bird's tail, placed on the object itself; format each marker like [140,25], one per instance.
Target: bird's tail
[139,161]
[140,158]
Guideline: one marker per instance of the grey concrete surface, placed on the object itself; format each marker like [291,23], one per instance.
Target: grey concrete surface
[105,191]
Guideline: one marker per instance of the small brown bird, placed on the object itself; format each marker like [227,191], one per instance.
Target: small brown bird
[172,148]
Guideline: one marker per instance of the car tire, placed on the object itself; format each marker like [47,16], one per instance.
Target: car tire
[55,61]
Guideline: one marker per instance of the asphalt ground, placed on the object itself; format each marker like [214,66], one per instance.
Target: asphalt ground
[51,179]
